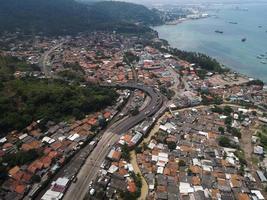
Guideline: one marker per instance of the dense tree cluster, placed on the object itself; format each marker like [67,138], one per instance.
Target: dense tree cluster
[256,82]
[203,61]
[20,158]
[263,136]
[112,11]
[28,99]
[226,142]
[59,17]
[130,57]
[23,101]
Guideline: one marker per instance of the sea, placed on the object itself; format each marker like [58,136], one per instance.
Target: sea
[236,21]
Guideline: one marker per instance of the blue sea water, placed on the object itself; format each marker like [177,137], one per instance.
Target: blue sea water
[199,35]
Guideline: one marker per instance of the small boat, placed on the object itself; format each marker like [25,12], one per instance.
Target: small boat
[233,23]
[217,31]
[259,57]
[262,62]
[244,39]
[260,26]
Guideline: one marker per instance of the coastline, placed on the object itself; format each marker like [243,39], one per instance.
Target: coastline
[223,65]
[228,48]
[188,18]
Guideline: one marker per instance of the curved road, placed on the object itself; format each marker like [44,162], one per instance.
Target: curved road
[43,62]
[91,167]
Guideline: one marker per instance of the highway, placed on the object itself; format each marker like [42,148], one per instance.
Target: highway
[43,62]
[91,167]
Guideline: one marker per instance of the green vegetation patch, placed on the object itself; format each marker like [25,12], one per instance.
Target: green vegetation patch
[61,17]
[262,134]
[22,101]
[20,158]
[28,99]
[226,142]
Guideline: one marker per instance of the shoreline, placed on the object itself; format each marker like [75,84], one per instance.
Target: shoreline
[246,76]
[192,35]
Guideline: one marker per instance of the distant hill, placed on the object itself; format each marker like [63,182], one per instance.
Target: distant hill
[57,17]
[112,11]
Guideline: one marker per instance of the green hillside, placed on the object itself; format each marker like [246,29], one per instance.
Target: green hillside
[57,17]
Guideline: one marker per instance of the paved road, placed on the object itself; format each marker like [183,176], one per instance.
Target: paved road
[43,62]
[91,167]
[176,79]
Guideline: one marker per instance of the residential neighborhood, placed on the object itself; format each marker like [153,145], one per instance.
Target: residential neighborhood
[174,133]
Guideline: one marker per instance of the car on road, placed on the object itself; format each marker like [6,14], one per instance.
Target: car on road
[102,166]
[75,180]
[92,192]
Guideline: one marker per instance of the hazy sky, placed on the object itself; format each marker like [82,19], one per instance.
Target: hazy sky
[191,1]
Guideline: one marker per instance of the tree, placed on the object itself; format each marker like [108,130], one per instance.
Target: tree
[189,172]
[234,131]
[135,111]
[181,163]
[228,121]
[221,130]
[145,146]
[255,82]
[171,145]
[125,152]
[138,149]
[254,113]
[36,178]
[217,109]
[201,73]
[227,110]
[224,141]
[130,57]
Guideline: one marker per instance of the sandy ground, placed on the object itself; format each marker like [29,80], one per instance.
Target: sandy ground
[247,146]
[144,190]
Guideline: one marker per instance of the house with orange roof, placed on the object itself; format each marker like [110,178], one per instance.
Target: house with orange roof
[131,186]
[195,180]
[20,188]
[127,138]
[35,166]
[53,154]
[46,161]
[26,178]
[195,169]
[92,121]
[114,155]
[13,171]
[35,133]
[32,145]
[56,145]
[7,146]
[243,196]
[107,115]
[18,176]
[123,172]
